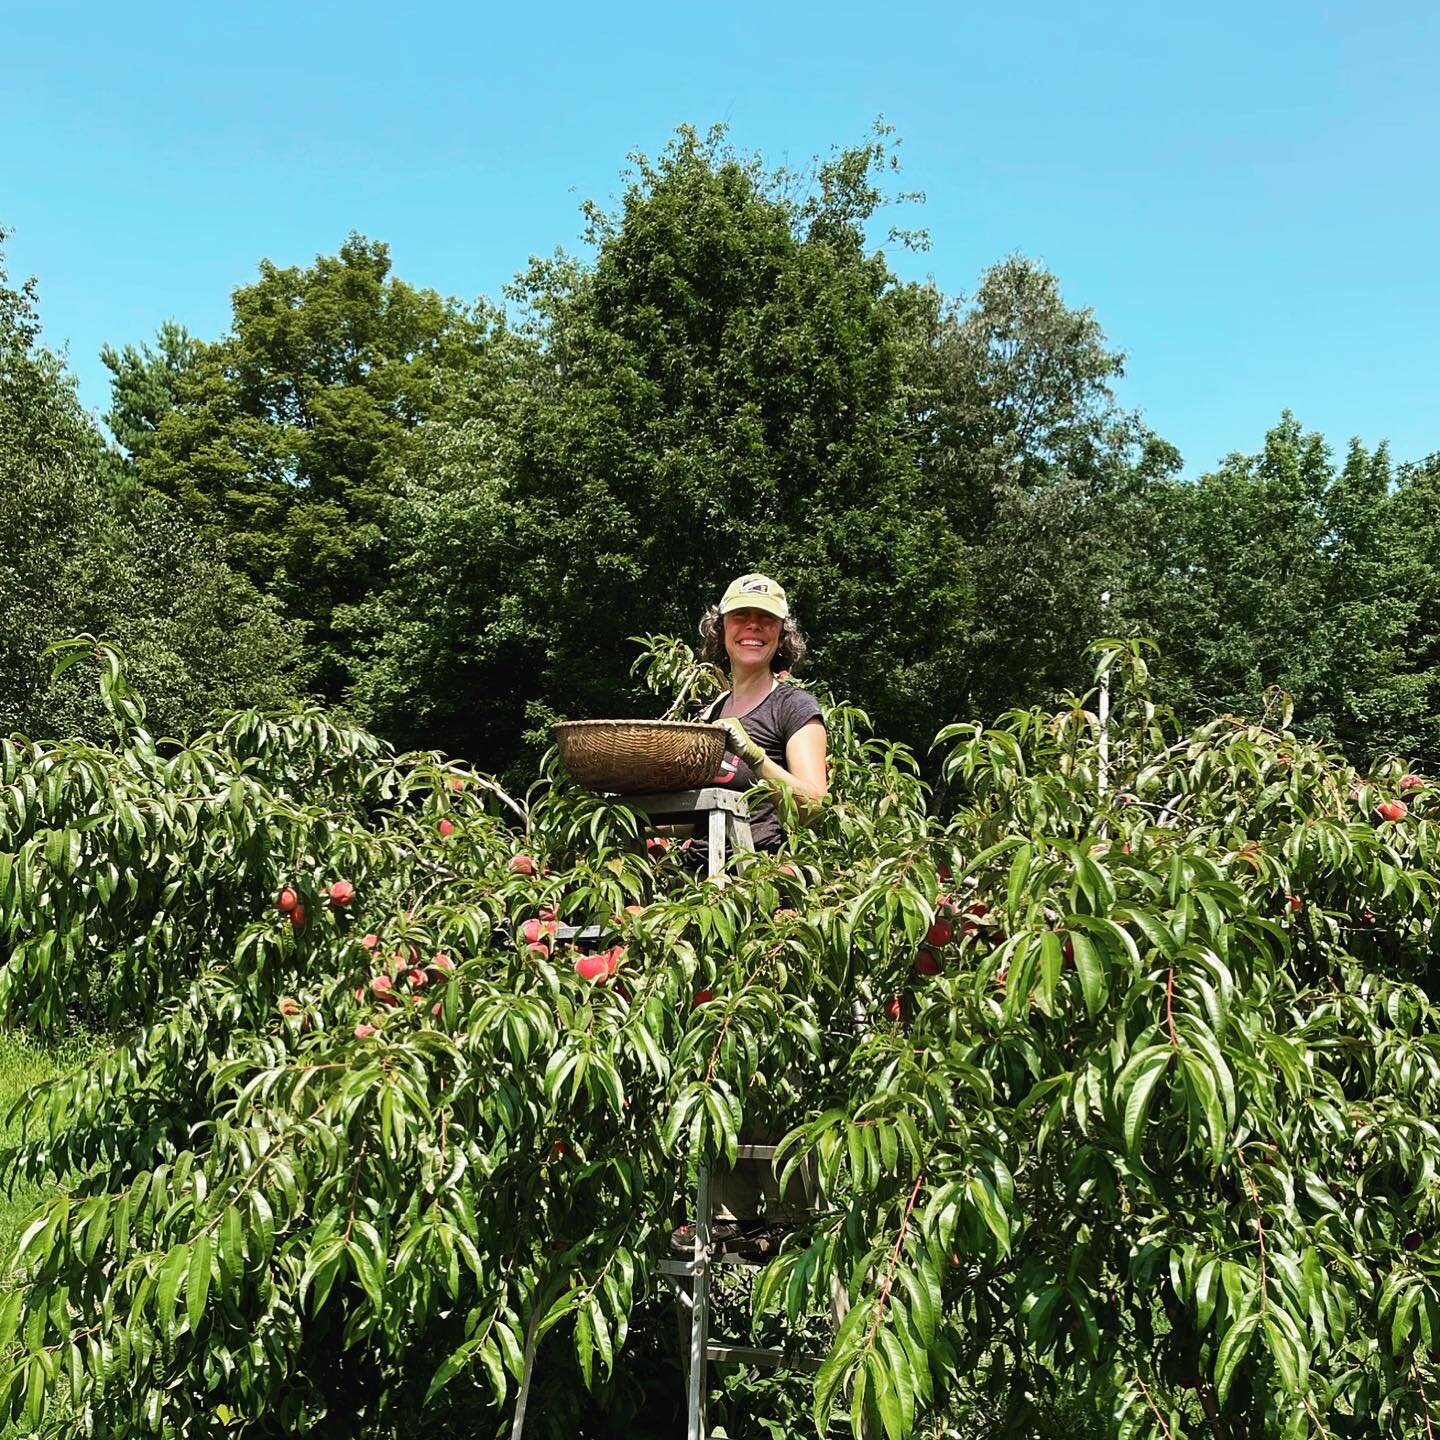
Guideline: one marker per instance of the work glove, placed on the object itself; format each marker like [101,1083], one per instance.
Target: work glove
[751,753]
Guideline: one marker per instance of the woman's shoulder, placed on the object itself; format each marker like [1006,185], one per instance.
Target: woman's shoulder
[796,703]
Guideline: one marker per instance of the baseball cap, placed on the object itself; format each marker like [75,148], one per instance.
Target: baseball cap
[758,592]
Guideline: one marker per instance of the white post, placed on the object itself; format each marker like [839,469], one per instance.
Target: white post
[1104,775]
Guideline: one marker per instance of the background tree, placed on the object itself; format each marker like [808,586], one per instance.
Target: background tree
[1280,570]
[145,385]
[1038,470]
[78,553]
[721,389]
[276,441]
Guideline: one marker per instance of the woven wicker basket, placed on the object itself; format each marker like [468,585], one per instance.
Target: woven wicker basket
[635,757]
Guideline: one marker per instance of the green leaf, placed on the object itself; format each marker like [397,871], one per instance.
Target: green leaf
[197,1281]
[1144,1077]
[1233,1347]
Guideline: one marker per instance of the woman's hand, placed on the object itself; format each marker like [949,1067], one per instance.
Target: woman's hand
[752,753]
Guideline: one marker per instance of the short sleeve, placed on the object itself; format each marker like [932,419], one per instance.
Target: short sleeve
[801,708]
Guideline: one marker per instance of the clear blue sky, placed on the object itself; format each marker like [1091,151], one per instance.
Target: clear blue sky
[1245,193]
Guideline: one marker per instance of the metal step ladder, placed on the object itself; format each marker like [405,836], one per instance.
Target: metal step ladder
[694,1300]
[726,818]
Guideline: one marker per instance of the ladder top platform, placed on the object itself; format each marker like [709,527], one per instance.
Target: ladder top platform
[688,802]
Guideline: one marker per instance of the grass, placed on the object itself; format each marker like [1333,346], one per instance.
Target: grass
[25,1062]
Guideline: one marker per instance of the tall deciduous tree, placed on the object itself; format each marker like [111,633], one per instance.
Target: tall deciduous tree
[77,554]
[1037,468]
[278,438]
[721,390]
[1278,570]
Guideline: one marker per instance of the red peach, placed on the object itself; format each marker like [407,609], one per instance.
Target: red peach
[939,933]
[1392,810]
[298,917]
[926,962]
[446,828]
[363,1031]
[342,892]
[1412,782]
[370,941]
[704,997]
[287,900]
[594,968]
[418,979]
[521,865]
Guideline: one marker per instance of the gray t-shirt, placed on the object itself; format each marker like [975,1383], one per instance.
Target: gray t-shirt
[786,710]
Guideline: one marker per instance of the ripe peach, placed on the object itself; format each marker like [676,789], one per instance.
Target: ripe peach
[940,933]
[704,997]
[363,1031]
[370,941]
[298,917]
[926,962]
[287,900]
[1412,782]
[521,865]
[1392,810]
[1296,904]
[446,828]
[342,892]
[418,979]
[595,968]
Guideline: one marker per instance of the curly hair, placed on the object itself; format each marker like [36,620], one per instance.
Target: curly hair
[789,654]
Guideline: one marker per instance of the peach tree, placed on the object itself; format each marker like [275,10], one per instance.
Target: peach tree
[1113,1058]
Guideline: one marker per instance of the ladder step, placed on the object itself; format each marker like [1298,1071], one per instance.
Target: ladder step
[753,1355]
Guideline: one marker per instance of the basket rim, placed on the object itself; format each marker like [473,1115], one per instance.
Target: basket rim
[706,725]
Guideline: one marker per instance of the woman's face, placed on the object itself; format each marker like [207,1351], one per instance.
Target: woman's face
[751,637]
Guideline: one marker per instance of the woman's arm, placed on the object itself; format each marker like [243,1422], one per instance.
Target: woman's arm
[805,770]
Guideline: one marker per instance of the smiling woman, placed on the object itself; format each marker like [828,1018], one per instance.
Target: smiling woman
[777,730]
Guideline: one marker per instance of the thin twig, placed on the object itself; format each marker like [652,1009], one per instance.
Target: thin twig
[1425,1403]
[1170,1007]
[1150,1401]
[1259,1223]
[1310,1411]
[890,1269]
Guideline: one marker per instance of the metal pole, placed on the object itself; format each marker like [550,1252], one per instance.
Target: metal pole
[1104,775]
[700,1307]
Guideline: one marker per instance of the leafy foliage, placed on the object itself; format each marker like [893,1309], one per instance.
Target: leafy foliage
[1157,1119]
[80,552]
[1284,569]
[276,441]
